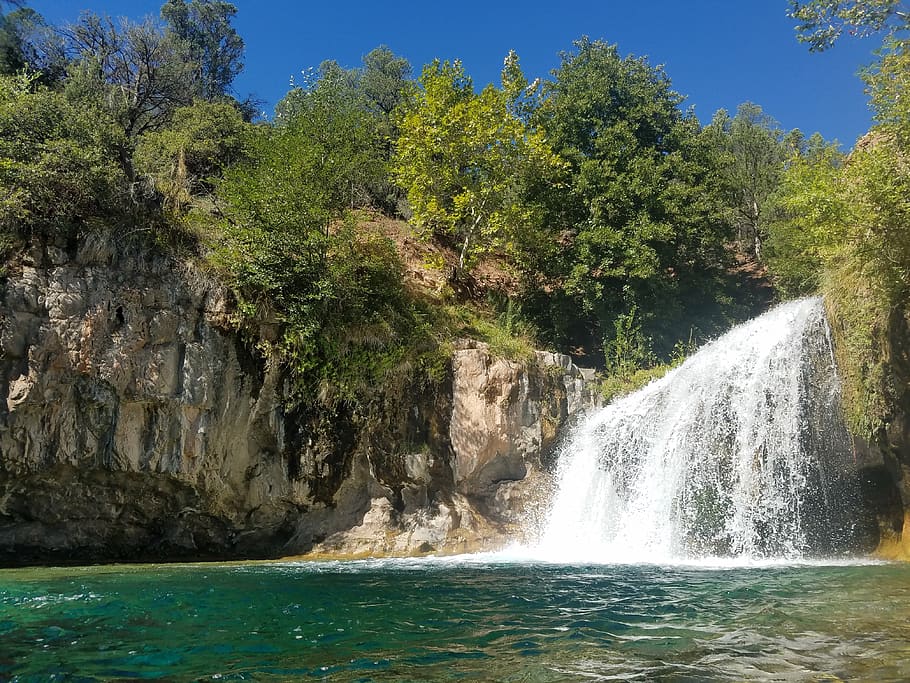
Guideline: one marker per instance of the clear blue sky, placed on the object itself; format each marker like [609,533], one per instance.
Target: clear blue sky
[718,53]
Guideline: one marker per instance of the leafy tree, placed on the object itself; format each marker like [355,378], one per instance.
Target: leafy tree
[329,107]
[366,96]
[888,83]
[203,30]
[754,150]
[293,256]
[294,180]
[642,222]
[58,167]
[810,228]
[385,80]
[461,156]
[200,142]
[822,22]
[27,42]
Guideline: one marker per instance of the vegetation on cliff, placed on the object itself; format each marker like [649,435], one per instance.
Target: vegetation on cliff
[841,221]
[587,211]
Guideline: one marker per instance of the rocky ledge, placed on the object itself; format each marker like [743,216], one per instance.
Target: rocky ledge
[136,426]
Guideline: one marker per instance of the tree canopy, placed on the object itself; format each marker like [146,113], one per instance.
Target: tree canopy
[462,156]
[822,22]
[206,38]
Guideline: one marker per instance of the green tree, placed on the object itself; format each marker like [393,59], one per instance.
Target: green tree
[809,231]
[27,42]
[58,169]
[642,223]
[461,157]
[295,179]
[754,150]
[329,107]
[822,22]
[184,158]
[204,32]
[888,83]
[292,254]
[385,80]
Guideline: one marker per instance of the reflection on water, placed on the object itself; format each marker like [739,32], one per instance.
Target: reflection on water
[472,620]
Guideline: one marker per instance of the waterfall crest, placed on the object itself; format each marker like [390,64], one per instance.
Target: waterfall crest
[739,452]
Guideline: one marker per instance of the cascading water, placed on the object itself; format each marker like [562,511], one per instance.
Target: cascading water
[738,452]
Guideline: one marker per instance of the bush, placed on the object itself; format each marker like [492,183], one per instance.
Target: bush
[57,162]
[199,143]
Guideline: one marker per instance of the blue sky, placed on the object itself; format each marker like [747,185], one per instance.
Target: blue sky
[718,53]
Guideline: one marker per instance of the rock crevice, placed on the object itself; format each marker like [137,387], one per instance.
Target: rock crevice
[135,425]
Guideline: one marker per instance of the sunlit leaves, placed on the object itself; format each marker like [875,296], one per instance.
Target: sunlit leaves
[822,22]
[463,157]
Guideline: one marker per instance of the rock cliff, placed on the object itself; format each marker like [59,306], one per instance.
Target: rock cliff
[135,425]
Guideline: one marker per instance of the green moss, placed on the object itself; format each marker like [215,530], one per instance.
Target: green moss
[615,386]
[859,312]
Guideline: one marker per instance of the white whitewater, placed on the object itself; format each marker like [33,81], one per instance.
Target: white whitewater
[737,453]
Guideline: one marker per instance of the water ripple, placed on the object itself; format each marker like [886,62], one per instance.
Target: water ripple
[426,620]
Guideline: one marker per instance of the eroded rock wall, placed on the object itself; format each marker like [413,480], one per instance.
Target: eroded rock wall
[132,423]
[135,425]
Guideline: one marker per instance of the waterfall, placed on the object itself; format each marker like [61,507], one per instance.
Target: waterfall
[738,452]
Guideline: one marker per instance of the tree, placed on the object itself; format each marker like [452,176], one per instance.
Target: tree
[888,84]
[57,163]
[292,255]
[184,158]
[134,69]
[385,80]
[822,22]
[809,229]
[203,30]
[14,43]
[754,148]
[295,179]
[642,222]
[27,42]
[461,157]
[330,108]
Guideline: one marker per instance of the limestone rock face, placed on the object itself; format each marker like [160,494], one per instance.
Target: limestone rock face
[134,424]
[506,414]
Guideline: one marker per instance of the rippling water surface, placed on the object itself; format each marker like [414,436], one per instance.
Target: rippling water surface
[456,619]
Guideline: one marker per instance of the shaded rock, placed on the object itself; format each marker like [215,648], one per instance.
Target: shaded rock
[134,425]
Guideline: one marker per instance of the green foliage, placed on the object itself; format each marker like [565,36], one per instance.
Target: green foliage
[810,228]
[201,141]
[752,153]
[888,82]
[642,223]
[58,166]
[202,30]
[385,81]
[294,257]
[845,229]
[878,179]
[822,22]
[628,350]
[860,313]
[331,107]
[616,386]
[502,326]
[461,156]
